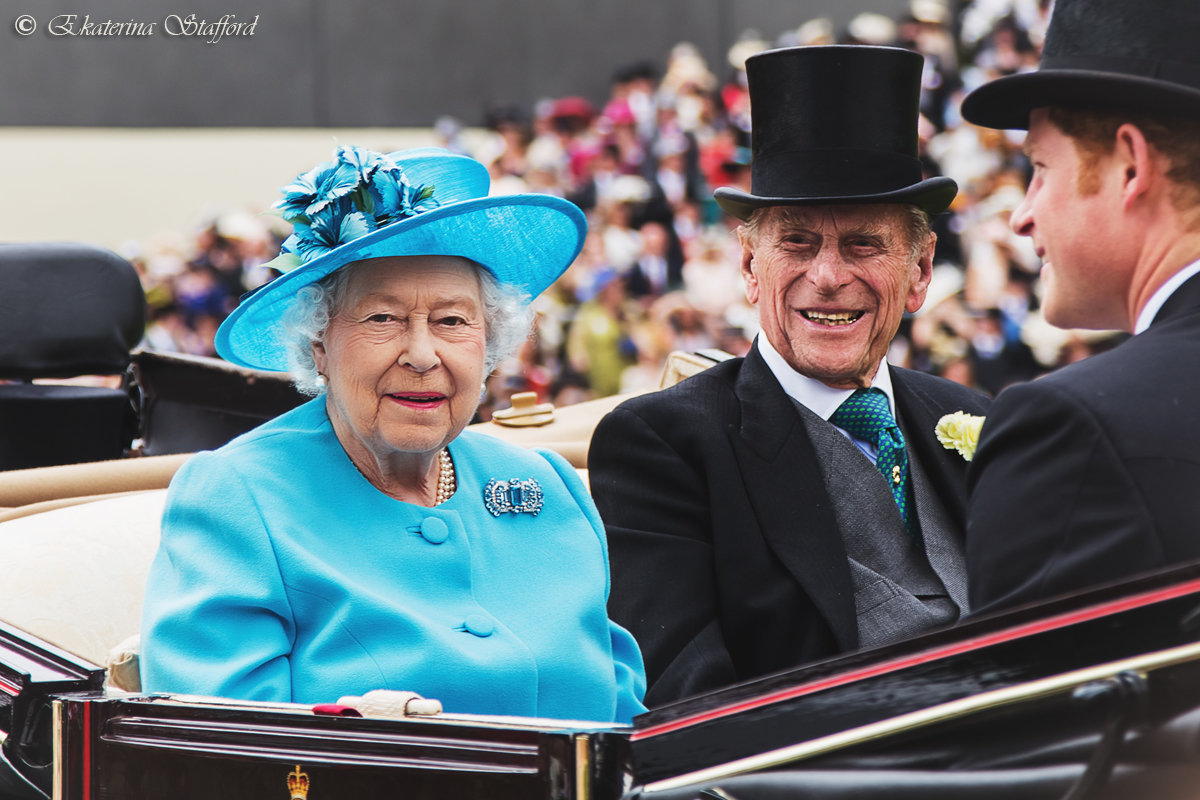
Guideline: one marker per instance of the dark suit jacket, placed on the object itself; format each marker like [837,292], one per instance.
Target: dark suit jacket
[1092,473]
[638,283]
[726,560]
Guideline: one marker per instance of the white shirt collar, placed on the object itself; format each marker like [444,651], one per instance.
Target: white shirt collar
[1162,294]
[822,400]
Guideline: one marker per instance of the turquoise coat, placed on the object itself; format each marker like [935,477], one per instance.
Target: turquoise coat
[284,575]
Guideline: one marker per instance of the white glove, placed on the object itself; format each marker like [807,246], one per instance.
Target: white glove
[121,664]
[391,704]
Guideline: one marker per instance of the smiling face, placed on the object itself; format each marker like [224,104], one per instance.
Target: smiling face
[403,359]
[1074,225]
[831,284]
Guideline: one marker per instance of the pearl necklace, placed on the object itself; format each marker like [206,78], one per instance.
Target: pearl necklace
[446,481]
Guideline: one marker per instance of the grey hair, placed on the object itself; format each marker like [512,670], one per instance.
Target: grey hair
[507,317]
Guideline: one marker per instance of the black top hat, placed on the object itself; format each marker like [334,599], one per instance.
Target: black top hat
[835,124]
[1103,53]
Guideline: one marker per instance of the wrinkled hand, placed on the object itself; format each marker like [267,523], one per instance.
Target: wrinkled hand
[391,704]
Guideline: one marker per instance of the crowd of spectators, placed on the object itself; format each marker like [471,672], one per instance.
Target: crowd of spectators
[659,270]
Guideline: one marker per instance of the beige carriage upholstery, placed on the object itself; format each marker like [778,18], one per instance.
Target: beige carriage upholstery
[78,539]
[31,491]
[73,576]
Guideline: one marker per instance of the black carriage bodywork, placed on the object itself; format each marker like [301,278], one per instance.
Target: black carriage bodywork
[143,747]
[1097,694]
[1090,696]
[33,675]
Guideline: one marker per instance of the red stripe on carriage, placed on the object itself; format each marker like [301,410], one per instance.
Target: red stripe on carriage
[87,751]
[966,646]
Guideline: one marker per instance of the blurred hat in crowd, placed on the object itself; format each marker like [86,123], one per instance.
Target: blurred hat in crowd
[1003,200]
[835,124]
[241,225]
[597,282]
[934,12]
[628,189]
[872,28]
[618,112]
[1049,342]
[749,43]
[946,281]
[1103,53]
[572,107]
[816,31]
[686,67]
[427,201]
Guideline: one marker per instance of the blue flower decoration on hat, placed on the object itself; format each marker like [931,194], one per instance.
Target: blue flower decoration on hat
[426,201]
[337,224]
[339,201]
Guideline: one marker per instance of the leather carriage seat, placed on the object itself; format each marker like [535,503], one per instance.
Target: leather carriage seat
[188,403]
[66,311]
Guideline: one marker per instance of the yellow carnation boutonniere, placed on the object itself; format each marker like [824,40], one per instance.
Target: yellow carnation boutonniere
[959,431]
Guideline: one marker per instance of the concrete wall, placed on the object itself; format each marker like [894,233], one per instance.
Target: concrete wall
[121,187]
[349,63]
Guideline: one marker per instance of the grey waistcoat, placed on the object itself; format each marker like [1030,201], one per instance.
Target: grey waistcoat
[899,591]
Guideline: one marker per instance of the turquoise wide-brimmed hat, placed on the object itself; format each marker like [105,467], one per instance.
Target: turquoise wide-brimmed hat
[428,201]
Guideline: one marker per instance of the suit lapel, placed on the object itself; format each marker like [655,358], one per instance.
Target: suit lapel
[784,483]
[919,414]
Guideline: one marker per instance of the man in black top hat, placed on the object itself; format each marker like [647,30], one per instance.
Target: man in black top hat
[1093,473]
[770,511]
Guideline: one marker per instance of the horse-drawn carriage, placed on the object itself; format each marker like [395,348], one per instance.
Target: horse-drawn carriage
[1094,695]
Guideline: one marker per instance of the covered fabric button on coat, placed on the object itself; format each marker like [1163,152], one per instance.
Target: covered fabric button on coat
[434,531]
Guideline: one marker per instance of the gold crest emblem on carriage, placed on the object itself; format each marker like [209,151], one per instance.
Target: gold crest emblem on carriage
[297,783]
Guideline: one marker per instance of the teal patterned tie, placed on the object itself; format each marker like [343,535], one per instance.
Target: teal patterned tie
[866,416]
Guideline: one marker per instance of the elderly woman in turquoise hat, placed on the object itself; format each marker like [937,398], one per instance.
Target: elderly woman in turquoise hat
[365,541]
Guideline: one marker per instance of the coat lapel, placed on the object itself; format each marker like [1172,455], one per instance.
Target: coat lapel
[783,481]
[946,470]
